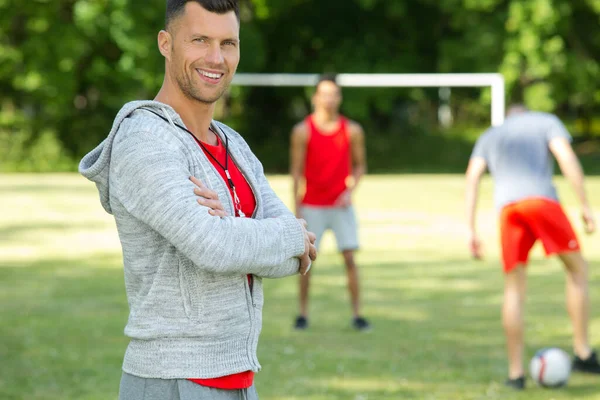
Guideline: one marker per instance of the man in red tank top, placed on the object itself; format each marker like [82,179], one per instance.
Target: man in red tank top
[328,153]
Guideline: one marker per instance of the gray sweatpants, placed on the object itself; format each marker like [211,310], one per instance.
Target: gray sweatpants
[136,388]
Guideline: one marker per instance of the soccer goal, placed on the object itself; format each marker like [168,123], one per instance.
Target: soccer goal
[494,81]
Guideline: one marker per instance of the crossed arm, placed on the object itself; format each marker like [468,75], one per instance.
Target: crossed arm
[162,197]
[210,199]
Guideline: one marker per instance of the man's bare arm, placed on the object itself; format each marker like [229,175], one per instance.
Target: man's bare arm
[298,143]
[359,158]
[572,171]
[475,171]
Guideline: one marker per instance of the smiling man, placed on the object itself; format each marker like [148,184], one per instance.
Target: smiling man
[200,227]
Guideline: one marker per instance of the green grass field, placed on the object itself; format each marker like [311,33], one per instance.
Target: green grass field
[435,312]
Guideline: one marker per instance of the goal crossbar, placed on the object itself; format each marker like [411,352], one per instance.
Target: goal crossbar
[492,80]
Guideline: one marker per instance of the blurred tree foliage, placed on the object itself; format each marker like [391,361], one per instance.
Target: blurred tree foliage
[67,66]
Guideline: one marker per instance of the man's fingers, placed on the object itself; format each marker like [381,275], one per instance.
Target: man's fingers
[312,252]
[589,224]
[303,222]
[312,237]
[476,253]
[196,181]
[218,213]
[590,227]
[212,204]
[206,192]
[304,264]
[208,198]
[307,268]
[203,190]
[476,249]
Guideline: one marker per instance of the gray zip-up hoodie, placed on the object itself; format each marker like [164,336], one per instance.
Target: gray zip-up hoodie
[192,312]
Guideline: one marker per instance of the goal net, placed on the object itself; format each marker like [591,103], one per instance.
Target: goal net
[491,80]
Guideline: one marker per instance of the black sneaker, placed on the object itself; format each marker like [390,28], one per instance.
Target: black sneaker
[589,365]
[517,383]
[361,324]
[301,323]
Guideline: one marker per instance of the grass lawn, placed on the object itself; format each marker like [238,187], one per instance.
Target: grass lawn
[435,312]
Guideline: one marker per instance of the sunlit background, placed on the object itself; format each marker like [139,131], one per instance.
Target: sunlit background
[67,66]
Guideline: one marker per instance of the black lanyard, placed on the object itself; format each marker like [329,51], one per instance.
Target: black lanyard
[236,200]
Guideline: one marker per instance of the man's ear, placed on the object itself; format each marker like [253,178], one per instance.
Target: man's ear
[165,43]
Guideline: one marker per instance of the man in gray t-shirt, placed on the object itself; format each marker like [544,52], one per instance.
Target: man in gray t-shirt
[518,155]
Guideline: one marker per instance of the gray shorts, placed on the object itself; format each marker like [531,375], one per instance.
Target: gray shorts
[341,220]
[136,388]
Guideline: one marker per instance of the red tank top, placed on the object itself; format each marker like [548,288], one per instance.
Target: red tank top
[242,380]
[327,163]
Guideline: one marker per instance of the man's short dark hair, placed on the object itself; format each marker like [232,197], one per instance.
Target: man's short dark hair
[176,7]
[327,78]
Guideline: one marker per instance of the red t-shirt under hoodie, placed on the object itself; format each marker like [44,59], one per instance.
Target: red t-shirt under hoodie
[241,380]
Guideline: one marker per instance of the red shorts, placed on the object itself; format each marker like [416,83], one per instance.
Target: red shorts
[522,223]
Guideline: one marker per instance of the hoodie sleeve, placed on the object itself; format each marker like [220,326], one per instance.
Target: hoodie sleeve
[150,179]
[273,207]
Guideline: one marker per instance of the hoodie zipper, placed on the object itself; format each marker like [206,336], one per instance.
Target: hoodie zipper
[250,287]
[251,309]
[252,306]
[256,199]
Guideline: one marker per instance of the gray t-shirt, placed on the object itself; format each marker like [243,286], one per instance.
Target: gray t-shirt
[518,156]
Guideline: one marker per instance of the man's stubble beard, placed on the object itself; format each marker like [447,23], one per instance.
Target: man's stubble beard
[187,87]
[189,90]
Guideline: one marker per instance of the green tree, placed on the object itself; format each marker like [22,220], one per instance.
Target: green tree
[67,66]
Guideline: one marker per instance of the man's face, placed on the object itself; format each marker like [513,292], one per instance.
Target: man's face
[327,96]
[205,52]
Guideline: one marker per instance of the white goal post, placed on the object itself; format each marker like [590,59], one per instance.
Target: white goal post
[495,81]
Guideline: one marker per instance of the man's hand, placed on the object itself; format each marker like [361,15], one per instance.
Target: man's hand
[344,199]
[310,250]
[588,220]
[475,246]
[208,198]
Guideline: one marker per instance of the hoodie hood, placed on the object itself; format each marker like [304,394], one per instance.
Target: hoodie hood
[95,165]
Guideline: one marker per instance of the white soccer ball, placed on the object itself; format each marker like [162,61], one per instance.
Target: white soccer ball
[550,367]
